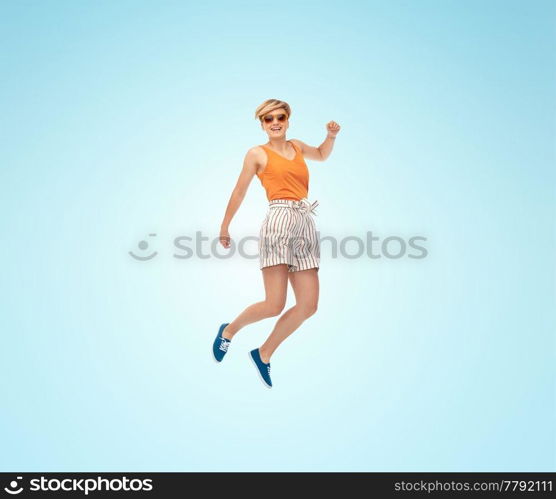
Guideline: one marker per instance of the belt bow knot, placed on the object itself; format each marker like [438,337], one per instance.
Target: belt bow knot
[307,207]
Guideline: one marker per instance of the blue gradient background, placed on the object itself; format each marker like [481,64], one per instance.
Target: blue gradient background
[124,118]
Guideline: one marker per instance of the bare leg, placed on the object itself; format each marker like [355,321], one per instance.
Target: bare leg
[305,284]
[276,287]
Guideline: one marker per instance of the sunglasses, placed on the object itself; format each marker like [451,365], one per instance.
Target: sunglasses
[279,117]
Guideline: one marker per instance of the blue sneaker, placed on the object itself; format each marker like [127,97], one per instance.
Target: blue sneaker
[221,344]
[263,369]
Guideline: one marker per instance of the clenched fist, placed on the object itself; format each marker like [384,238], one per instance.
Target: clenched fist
[332,128]
[224,238]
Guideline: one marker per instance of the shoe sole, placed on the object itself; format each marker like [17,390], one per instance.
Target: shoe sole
[259,372]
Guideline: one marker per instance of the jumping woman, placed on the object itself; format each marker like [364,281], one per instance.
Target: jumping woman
[288,243]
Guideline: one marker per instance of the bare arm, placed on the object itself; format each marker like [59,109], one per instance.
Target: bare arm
[250,164]
[321,152]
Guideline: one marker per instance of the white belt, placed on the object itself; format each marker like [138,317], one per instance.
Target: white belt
[303,205]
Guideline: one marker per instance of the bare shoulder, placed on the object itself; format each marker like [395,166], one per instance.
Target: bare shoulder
[257,153]
[256,156]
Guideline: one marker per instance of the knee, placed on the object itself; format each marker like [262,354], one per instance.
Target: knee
[274,309]
[308,309]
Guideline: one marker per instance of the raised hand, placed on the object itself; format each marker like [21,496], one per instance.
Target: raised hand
[332,128]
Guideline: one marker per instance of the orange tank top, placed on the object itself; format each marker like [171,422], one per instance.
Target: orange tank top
[284,178]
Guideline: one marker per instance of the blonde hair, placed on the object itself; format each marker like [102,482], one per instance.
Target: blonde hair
[270,105]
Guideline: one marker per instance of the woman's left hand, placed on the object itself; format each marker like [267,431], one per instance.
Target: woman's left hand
[332,128]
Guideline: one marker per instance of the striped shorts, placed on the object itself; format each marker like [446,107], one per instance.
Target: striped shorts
[288,235]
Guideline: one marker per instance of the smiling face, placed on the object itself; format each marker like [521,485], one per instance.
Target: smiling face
[275,123]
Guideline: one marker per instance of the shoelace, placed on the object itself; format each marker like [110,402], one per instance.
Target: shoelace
[224,344]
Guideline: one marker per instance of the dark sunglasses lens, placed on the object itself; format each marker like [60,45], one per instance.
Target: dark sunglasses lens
[279,117]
